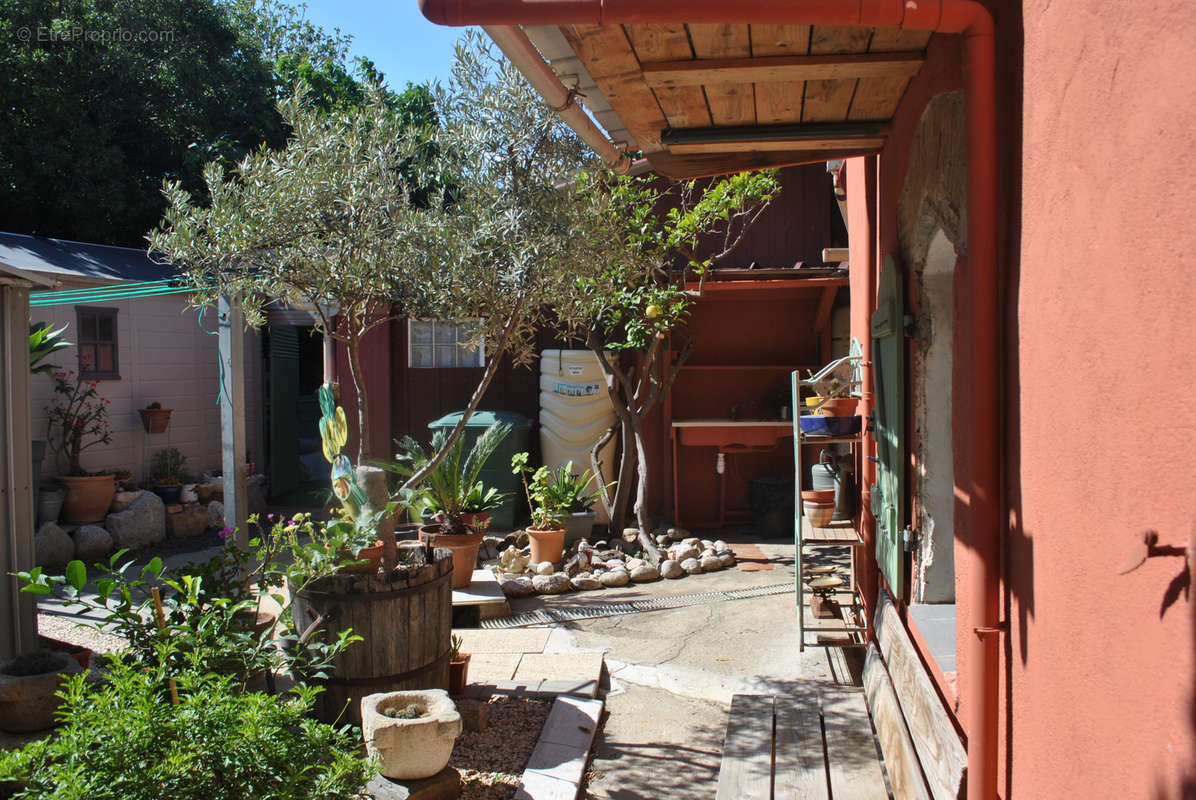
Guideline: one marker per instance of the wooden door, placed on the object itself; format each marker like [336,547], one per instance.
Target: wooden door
[284,423]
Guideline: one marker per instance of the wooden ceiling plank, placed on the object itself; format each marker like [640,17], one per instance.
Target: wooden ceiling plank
[730,103]
[779,102]
[877,98]
[830,100]
[870,144]
[684,106]
[607,55]
[698,165]
[782,68]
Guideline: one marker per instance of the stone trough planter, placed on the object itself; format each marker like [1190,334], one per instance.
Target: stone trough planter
[409,749]
[28,702]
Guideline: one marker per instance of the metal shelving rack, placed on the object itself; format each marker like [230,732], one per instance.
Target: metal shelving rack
[850,629]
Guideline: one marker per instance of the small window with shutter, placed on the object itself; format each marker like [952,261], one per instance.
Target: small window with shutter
[95,335]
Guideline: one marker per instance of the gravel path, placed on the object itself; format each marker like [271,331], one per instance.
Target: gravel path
[491,761]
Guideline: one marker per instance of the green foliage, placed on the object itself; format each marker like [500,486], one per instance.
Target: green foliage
[452,488]
[166,467]
[123,740]
[455,647]
[570,491]
[43,342]
[547,496]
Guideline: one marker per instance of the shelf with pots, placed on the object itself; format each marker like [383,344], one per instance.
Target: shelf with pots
[828,597]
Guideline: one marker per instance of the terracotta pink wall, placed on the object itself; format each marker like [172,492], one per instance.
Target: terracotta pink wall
[1102,688]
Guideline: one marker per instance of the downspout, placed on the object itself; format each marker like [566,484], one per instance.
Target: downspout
[972,20]
[522,53]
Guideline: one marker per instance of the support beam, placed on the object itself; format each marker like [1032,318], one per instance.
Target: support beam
[18,617]
[231,335]
[868,145]
[831,254]
[780,69]
[814,136]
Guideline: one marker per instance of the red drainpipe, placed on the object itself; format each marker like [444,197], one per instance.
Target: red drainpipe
[972,20]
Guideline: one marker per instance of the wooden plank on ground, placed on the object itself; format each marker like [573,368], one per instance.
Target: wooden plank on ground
[684,106]
[746,769]
[940,750]
[730,103]
[896,746]
[800,770]
[853,765]
[877,98]
[779,102]
[830,100]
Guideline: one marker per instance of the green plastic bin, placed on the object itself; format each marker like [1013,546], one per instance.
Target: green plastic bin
[497,471]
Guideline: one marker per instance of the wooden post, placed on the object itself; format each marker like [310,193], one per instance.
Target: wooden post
[231,330]
[18,615]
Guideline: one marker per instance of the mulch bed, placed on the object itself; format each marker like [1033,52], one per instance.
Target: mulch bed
[491,761]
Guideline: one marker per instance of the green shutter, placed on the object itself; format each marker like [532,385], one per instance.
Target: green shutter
[284,418]
[888,370]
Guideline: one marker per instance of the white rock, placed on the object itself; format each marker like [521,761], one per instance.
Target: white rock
[631,534]
[52,547]
[545,568]
[681,553]
[707,553]
[519,587]
[585,582]
[671,569]
[615,563]
[692,542]
[711,563]
[556,583]
[707,544]
[634,563]
[215,514]
[122,500]
[721,547]
[645,573]
[141,524]
[728,559]
[616,577]
[678,534]
[692,566]
[92,543]
[188,494]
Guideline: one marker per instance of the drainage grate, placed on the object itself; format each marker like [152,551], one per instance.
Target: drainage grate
[547,616]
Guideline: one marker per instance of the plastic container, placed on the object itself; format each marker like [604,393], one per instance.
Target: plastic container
[575,410]
[497,471]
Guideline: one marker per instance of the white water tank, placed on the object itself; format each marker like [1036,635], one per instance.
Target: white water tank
[575,410]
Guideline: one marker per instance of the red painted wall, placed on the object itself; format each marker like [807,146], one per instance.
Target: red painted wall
[1103,297]
[1097,235]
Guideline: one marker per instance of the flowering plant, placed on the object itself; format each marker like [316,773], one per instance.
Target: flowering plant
[77,418]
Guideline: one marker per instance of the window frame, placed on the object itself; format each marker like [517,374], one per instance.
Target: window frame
[479,356]
[80,343]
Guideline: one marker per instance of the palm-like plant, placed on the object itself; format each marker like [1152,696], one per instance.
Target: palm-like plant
[43,341]
[453,488]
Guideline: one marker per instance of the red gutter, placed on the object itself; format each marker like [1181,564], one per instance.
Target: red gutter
[973,21]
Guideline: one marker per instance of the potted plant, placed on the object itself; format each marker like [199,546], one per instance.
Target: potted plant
[547,531]
[43,341]
[77,420]
[571,492]
[167,473]
[458,667]
[154,418]
[28,689]
[410,733]
[459,502]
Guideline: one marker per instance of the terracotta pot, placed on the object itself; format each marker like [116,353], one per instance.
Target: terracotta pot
[155,420]
[259,622]
[478,520]
[87,498]
[839,407]
[372,555]
[459,674]
[465,551]
[819,514]
[819,495]
[546,545]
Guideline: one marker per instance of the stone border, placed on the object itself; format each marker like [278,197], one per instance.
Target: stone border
[556,768]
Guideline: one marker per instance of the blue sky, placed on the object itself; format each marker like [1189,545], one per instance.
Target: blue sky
[391,33]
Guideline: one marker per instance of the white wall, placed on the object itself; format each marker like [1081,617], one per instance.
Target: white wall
[163,356]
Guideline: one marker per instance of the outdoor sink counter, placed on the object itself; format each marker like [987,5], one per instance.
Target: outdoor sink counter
[732,434]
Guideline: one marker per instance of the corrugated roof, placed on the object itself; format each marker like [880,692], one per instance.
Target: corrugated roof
[66,259]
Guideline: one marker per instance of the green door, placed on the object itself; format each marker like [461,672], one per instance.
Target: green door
[283,409]
[888,370]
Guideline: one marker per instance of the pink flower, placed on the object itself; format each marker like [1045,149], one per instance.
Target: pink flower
[224,532]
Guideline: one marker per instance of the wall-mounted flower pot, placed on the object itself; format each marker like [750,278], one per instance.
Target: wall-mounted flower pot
[155,420]
[87,497]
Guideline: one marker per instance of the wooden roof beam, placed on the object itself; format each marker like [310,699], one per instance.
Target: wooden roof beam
[778,69]
[857,136]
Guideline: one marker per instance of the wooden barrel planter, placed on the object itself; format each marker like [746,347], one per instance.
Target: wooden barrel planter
[405,619]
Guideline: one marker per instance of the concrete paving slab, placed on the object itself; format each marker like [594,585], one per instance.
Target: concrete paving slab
[537,786]
[484,594]
[487,667]
[560,667]
[509,640]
